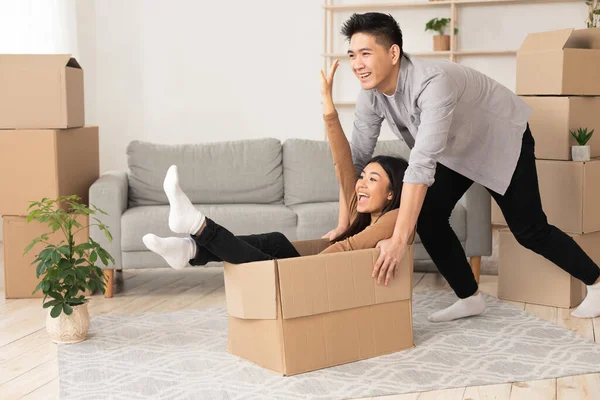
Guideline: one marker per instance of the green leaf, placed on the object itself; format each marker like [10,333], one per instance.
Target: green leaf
[67,308]
[93,257]
[45,286]
[64,250]
[56,295]
[56,310]
[38,287]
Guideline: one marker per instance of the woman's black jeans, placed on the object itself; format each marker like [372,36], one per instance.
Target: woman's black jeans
[522,209]
[216,243]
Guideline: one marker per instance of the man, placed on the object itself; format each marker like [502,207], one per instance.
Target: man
[462,127]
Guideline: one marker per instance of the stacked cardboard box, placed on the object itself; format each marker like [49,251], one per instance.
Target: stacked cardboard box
[557,77]
[45,151]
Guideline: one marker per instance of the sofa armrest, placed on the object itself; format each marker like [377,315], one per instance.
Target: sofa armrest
[479,222]
[110,193]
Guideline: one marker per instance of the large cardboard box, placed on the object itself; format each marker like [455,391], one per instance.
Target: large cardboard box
[40,91]
[497,216]
[562,62]
[19,274]
[527,277]
[46,163]
[301,314]
[570,194]
[553,117]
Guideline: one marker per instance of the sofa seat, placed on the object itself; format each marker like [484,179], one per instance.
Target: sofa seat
[241,219]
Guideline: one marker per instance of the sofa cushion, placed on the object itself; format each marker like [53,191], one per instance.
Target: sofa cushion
[240,219]
[315,219]
[245,171]
[309,175]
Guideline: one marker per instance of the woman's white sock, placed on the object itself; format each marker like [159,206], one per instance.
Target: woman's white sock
[183,216]
[177,252]
[590,306]
[468,307]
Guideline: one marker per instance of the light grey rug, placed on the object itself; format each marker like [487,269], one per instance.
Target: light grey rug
[181,355]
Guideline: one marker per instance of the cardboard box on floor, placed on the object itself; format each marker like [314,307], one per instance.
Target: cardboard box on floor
[527,277]
[41,91]
[46,163]
[301,314]
[497,216]
[570,194]
[553,117]
[562,62]
[19,274]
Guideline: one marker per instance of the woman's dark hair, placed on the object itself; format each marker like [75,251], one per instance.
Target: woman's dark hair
[383,26]
[394,167]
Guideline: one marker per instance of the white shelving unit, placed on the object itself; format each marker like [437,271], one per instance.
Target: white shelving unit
[452,54]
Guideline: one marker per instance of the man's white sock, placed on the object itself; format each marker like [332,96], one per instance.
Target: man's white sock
[183,216]
[590,306]
[470,306]
[177,252]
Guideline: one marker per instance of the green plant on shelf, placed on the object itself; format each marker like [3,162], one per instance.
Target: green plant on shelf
[438,25]
[593,20]
[582,136]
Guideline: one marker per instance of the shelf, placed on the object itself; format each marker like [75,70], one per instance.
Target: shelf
[375,6]
[441,53]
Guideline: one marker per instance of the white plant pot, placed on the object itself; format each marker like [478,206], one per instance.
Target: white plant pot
[69,328]
[580,153]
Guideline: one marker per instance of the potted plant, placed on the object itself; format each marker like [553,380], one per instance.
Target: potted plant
[441,41]
[68,268]
[582,151]
[593,20]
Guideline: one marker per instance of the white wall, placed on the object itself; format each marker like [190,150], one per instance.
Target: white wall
[194,71]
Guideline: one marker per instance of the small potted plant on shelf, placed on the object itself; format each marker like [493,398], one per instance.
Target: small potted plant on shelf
[593,20]
[441,41]
[582,151]
[68,268]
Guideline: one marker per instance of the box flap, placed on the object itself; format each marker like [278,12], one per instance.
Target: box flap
[311,247]
[584,39]
[337,281]
[43,60]
[543,41]
[250,290]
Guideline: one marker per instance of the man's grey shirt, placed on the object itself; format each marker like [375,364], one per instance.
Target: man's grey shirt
[446,113]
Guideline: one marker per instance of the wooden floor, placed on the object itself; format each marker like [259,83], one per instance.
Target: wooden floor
[28,367]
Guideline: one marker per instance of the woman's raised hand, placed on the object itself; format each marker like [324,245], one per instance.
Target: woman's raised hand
[327,81]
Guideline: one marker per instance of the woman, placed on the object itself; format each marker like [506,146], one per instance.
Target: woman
[371,202]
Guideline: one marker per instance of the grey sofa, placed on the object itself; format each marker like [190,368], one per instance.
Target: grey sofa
[248,186]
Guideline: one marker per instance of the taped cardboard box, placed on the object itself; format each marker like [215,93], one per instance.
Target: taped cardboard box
[19,274]
[553,117]
[570,193]
[527,277]
[316,311]
[41,91]
[46,163]
[562,62]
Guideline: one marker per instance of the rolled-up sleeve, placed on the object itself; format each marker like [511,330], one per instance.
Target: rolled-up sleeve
[437,102]
[367,126]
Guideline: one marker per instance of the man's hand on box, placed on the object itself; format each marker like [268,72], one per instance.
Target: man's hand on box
[392,253]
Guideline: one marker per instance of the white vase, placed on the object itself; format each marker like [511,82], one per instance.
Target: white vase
[580,153]
[69,328]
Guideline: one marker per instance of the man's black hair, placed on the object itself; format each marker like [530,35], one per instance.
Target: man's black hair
[383,26]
